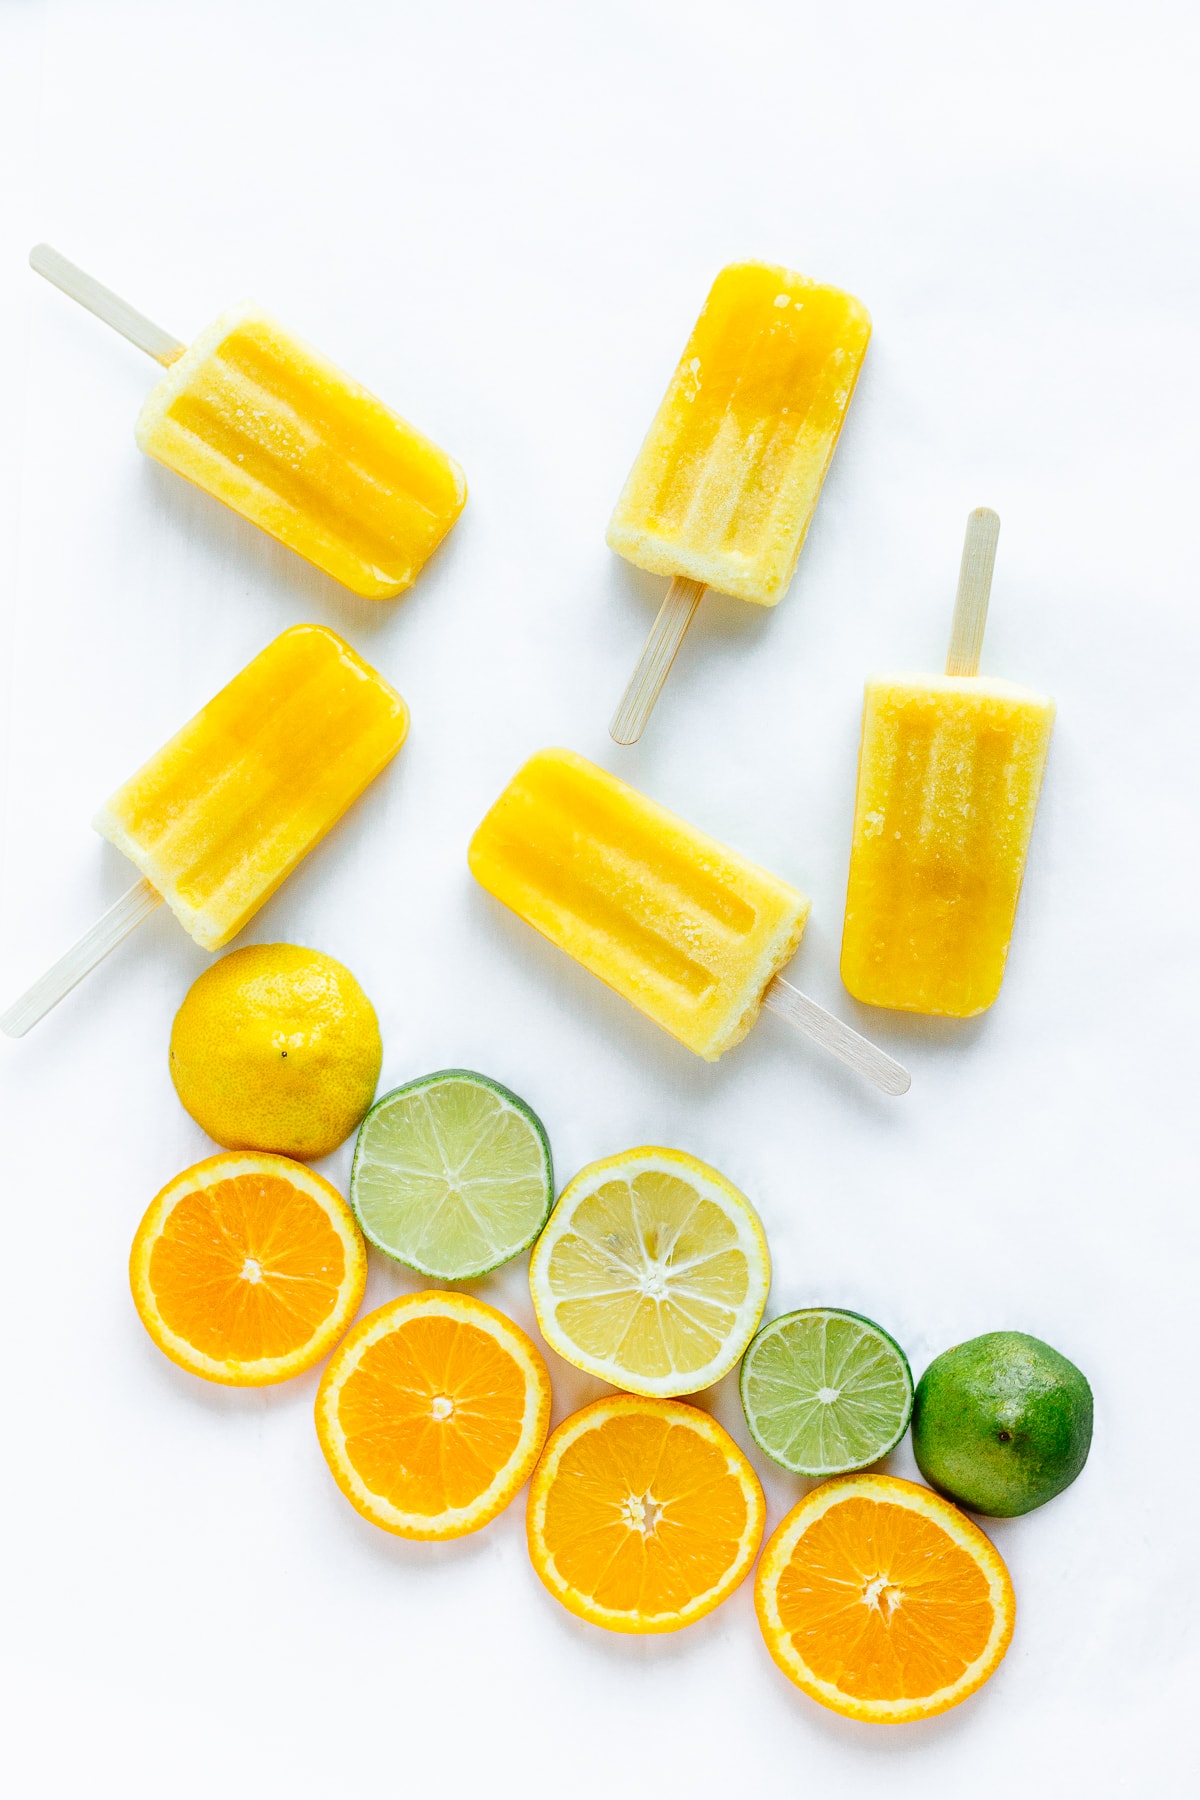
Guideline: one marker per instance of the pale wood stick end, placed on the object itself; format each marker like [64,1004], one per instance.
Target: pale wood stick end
[839,1039]
[654,664]
[974,591]
[104,304]
[136,904]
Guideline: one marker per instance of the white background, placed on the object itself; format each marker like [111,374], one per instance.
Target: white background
[503,218]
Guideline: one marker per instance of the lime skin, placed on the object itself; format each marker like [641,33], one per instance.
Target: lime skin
[1001,1423]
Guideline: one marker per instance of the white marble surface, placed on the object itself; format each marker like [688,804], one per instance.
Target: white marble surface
[503,218]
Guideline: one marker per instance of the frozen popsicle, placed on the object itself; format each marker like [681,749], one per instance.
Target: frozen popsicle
[724,488]
[690,932]
[948,779]
[222,814]
[259,420]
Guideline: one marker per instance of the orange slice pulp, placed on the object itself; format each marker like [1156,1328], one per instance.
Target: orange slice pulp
[432,1414]
[882,1601]
[247,1268]
[643,1514]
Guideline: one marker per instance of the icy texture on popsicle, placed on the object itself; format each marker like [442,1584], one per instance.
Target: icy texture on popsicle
[689,931]
[948,779]
[276,431]
[225,811]
[726,483]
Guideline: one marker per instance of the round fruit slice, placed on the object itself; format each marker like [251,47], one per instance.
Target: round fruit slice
[643,1514]
[432,1413]
[652,1272]
[825,1391]
[882,1601]
[452,1175]
[247,1268]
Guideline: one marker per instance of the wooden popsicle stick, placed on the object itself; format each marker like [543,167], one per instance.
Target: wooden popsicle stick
[974,591]
[108,931]
[840,1040]
[106,305]
[654,664]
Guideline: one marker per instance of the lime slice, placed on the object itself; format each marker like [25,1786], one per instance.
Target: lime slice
[451,1175]
[826,1391]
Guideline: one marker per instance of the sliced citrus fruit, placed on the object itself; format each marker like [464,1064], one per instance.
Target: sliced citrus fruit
[432,1413]
[643,1514]
[825,1391]
[452,1175]
[882,1601]
[651,1273]
[247,1268]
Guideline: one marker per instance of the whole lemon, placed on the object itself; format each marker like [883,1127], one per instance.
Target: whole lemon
[276,1048]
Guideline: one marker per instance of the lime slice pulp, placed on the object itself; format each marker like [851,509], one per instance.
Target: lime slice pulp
[452,1175]
[825,1391]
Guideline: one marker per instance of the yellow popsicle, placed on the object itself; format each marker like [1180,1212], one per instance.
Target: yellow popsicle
[725,485]
[688,931]
[225,811]
[948,779]
[276,431]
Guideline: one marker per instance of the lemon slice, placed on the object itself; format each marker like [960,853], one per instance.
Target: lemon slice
[652,1273]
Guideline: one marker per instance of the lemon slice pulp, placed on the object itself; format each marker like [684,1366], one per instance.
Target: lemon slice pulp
[652,1272]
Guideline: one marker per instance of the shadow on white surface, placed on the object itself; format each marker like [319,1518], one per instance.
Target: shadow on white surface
[629,1035]
[213,532]
[391,1552]
[249,1404]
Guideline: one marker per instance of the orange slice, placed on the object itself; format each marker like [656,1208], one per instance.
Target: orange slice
[882,1601]
[643,1514]
[432,1413]
[247,1268]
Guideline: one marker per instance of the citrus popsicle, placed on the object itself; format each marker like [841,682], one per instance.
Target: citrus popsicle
[222,814]
[271,427]
[724,488]
[949,774]
[690,932]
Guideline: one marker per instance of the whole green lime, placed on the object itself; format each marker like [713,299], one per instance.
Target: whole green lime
[1001,1423]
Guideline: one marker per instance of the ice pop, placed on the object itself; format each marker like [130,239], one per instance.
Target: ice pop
[690,932]
[259,420]
[949,773]
[724,488]
[222,814]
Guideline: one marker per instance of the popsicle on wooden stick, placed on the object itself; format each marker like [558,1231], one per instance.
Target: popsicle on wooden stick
[256,418]
[724,488]
[949,774]
[224,812]
[690,932]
